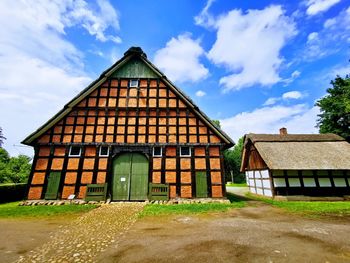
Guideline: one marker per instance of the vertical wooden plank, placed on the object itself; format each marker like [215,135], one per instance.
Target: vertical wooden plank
[64,169]
[121,174]
[47,172]
[208,172]
[52,186]
[201,185]
[139,177]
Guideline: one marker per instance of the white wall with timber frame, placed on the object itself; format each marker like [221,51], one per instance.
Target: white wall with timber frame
[259,182]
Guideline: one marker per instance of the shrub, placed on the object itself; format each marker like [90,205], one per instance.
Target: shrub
[12,192]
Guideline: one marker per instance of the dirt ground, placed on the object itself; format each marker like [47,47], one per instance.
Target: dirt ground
[18,237]
[255,233]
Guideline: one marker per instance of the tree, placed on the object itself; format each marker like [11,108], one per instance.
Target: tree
[14,169]
[19,169]
[232,162]
[2,138]
[335,108]
[216,123]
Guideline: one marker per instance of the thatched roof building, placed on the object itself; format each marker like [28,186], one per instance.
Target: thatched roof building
[311,164]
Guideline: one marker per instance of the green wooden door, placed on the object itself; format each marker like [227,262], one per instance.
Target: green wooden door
[201,184]
[53,184]
[139,177]
[130,177]
[121,177]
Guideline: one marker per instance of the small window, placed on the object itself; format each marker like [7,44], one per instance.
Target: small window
[75,151]
[134,83]
[104,151]
[157,151]
[185,151]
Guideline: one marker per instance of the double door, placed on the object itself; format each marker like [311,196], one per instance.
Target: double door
[130,177]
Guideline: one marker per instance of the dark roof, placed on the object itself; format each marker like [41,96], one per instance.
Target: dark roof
[130,53]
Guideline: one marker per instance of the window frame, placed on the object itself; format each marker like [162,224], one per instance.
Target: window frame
[133,86]
[75,155]
[161,151]
[189,151]
[100,149]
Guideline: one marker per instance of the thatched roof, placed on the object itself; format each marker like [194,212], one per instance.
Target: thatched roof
[302,152]
[328,137]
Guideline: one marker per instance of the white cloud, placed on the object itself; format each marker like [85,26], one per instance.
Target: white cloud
[333,37]
[329,22]
[95,21]
[179,59]
[297,119]
[292,95]
[200,93]
[312,36]
[318,6]
[271,101]
[40,69]
[205,18]
[249,45]
[295,74]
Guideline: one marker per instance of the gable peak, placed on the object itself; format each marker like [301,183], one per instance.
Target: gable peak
[135,51]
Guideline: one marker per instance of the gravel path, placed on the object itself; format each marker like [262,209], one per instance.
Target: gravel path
[87,236]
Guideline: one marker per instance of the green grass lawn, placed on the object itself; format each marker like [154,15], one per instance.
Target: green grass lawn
[318,208]
[12,210]
[154,209]
[237,185]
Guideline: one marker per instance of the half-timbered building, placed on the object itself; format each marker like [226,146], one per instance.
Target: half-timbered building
[296,164]
[128,128]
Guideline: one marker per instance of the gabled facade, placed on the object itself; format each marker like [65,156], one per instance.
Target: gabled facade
[296,164]
[130,127]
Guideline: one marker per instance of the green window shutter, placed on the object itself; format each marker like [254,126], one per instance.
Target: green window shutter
[53,184]
[201,184]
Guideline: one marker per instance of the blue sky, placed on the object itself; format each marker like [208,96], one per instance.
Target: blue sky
[254,65]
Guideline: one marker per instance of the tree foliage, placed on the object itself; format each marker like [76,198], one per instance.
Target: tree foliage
[232,161]
[14,169]
[335,108]
[216,123]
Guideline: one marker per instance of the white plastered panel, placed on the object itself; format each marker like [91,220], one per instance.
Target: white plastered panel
[250,174]
[264,174]
[267,192]
[259,191]
[258,183]
[257,174]
[266,184]
[251,183]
